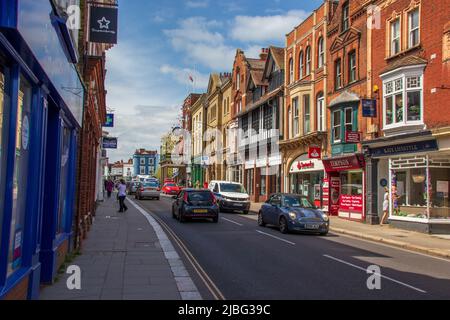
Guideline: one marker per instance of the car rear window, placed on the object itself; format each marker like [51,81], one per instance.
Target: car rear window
[151,185]
[231,187]
[200,196]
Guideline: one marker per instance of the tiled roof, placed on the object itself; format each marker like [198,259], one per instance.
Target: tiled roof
[278,56]
[345,97]
[256,63]
[404,62]
[257,77]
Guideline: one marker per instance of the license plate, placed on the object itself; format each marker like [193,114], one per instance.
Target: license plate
[312,226]
[200,211]
[150,189]
[237,205]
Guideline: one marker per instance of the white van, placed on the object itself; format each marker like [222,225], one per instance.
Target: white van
[231,196]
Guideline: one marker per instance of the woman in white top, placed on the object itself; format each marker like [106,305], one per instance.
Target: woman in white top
[122,188]
[385,206]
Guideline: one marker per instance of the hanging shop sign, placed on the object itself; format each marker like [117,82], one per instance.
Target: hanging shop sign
[315,153]
[109,143]
[103,25]
[369,108]
[306,166]
[109,123]
[353,162]
[413,147]
[352,137]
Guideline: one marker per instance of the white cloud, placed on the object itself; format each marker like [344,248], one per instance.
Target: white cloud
[266,28]
[197,4]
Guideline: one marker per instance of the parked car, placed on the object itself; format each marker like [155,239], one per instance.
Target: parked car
[231,196]
[133,187]
[149,190]
[291,212]
[195,204]
[171,189]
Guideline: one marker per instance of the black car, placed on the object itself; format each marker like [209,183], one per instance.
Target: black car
[195,204]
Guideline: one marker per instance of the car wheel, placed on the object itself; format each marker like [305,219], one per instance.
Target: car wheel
[216,219]
[173,214]
[323,234]
[246,212]
[284,225]
[158,198]
[261,222]
[181,216]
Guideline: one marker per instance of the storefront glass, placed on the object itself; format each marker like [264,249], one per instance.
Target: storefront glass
[308,184]
[250,178]
[352,183]
[420,187]
[4,115]
[20,176]
[65,156]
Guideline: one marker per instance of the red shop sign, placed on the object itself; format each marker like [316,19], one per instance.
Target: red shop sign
[352,137]
[344,163]
[315,153]
[351,203]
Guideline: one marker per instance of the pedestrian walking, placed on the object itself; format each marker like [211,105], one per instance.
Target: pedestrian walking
[197,184]
[109,187]
[122,194]
[385,206]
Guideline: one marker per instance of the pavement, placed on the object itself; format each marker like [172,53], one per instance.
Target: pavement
[436,245]
[126,257]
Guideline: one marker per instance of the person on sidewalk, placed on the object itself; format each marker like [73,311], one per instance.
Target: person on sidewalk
[385,206]
[122,194]
[109,188]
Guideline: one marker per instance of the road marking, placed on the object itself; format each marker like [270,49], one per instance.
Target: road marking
[180,273]
[275,237]
[239,224]
[365,270]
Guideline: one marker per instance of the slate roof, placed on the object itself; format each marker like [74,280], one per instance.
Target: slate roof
[404,62]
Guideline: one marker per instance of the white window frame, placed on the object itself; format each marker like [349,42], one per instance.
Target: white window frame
[306,98]
[321,56]
[352,67]
[142,161]
[337,75]
[321,113]
[308,60]
[295,117]
[238,81]
[345,118]
[339,125]
[394,37]
[291,71]
[403,74]
[151,161]
[346,17]
[410,28]
[142,170]
[301,68]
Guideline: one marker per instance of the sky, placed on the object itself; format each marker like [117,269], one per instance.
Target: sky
[162,43]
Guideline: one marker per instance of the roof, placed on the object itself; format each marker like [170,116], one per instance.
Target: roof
[256,63]
[404,62]
[260,102]
[143,152]
[345,97]
[278,56]
[257,77]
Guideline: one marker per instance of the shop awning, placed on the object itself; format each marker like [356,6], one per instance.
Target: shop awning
[337,164]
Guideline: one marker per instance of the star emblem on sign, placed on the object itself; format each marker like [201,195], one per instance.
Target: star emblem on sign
[104,23]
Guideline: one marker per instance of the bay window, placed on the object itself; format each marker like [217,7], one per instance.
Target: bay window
[337,126]
[348,120]
[413,28]
[403,100]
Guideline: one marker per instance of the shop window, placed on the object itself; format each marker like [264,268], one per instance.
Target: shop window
[352,183]
[4,116]
[64,177]
[20,178]
[262,190]
[404,88]
[420,187]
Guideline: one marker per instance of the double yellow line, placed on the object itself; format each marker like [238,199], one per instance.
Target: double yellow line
[217,294]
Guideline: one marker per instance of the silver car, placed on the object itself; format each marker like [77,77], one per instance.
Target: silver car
[150,190]
[133,187]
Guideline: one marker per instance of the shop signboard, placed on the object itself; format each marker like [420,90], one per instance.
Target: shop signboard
[369,108]
[326,194]
[315,153]
[413,147]
[344,163]
[109,123]
[351,203]
[352,137]
[307,166]
[103,25]
[335,191]
[109,143]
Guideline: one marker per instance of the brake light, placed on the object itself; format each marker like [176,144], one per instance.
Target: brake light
[159,189]
[142,189]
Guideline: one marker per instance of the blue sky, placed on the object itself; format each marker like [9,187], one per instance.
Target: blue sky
[161,43]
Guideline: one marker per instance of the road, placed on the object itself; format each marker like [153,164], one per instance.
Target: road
[245,262]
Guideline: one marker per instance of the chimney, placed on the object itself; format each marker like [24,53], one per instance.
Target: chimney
[264,54]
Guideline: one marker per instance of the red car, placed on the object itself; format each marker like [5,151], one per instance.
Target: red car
[171,189]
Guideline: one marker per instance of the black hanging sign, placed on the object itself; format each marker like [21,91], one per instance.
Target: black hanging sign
[103,25]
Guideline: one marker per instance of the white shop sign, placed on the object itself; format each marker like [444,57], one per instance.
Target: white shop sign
[307,166]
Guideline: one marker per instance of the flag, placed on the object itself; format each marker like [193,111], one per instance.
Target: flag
[191,78]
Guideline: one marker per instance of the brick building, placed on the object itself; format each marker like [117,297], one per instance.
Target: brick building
[305,114]
[409,151]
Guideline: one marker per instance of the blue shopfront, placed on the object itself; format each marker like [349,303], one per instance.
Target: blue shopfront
[41,108]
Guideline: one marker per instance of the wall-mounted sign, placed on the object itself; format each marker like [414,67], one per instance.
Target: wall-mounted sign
[383,183]
[344,163]
[315,153]
[103,25]
[109,123]
[352,137]
[369,108]
[109,143]
[351,203]
[306,165]
[413,147]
